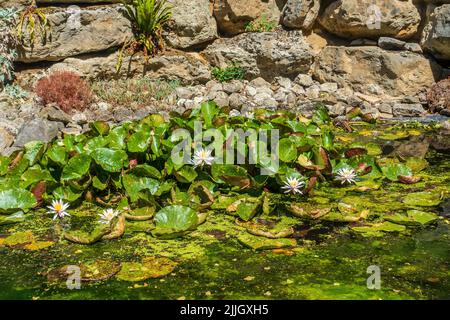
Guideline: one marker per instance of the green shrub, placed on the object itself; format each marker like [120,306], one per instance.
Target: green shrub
[231,72]
[124,92]
[262,24]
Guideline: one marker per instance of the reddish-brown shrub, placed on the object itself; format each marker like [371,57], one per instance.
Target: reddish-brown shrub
[66,89]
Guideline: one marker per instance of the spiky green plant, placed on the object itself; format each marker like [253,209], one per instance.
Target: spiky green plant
[31,19]
[148,17]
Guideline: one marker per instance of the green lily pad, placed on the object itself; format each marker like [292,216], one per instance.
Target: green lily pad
[393,171]
[13,200]
[151,267]
[378,229]
[417,164]
[175,220]
[110,160]
[422,199]
[262,243]
[413,218]
[76,168]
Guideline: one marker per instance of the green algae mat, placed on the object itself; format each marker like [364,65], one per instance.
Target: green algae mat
[348,209]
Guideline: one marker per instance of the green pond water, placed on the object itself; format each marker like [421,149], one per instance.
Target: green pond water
[324,260]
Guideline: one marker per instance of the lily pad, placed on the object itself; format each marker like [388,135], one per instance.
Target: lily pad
[150,267]
[13,200]
[174,220]
[110,160]
[19,239]
[378,229]
[422,199]
[38,245]
[86,237]
[95,271]
[413,218]
[262,243]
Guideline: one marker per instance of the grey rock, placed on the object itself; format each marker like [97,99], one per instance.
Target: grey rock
[413,47]
[6,140]
[37,130]
[192,24]
[236,100]
[358,18]
[436,34]
[78,31]
[300,14]
[391,43]
[55,114]
[233,86]
[304,80]
[407,110]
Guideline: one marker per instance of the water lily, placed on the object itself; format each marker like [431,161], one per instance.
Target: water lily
[108,215]
[58,209]
[346,175]
[202,157]
[293,185]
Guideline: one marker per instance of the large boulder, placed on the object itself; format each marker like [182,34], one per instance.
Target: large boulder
[300,14]
[263,54]
[193,24]
[436,34]
[188,68]
[234,15]
[371,18]
[77,31]
[374,71]
[37,130]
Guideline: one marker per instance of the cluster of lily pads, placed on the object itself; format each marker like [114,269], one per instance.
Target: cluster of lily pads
[128,171]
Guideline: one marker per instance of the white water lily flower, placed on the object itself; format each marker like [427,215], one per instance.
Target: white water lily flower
[58,209]
[346,175]
[202,157]
[108,215]
[293,185]
[249,115]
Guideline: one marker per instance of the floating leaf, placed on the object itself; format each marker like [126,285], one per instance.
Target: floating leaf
[422,199]
[393,171]
[262,243]
[174,220]
[110,160]
[151,267]
[13,200]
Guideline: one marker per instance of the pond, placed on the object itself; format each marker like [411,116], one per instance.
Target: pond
[400,229]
